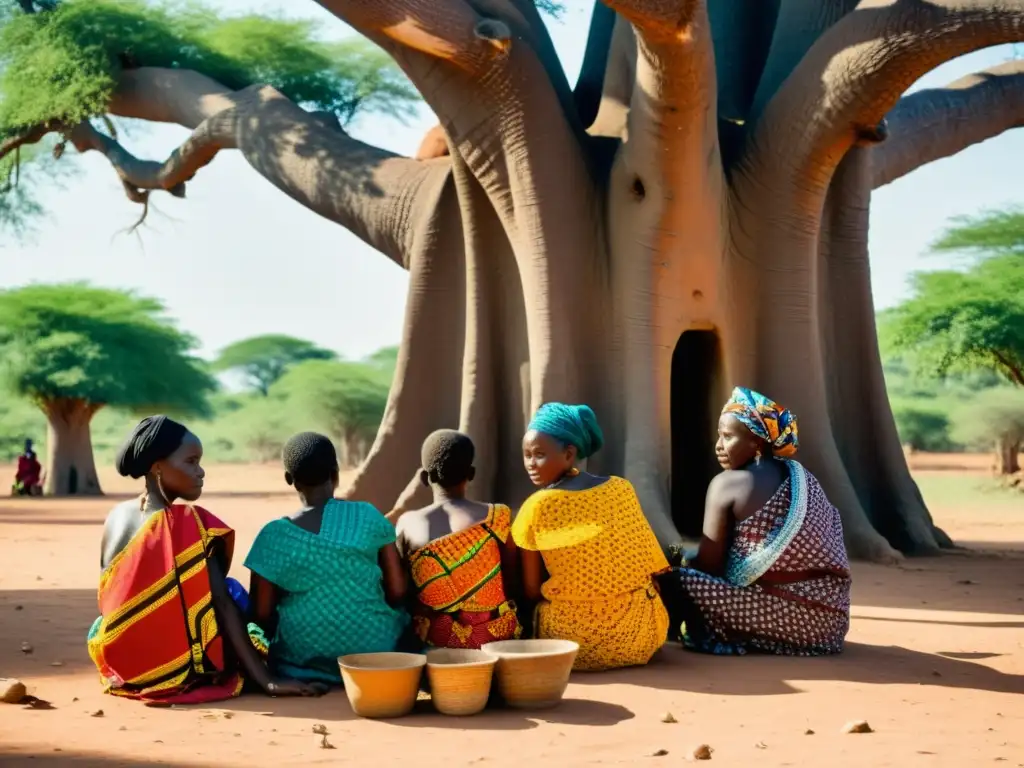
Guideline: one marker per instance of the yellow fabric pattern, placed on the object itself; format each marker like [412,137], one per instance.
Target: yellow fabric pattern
[600,554]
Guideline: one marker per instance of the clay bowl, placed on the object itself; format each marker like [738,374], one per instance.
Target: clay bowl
[460,680]
[533,674]
[382,685]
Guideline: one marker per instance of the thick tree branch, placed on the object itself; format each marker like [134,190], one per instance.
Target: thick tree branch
[798,25]
[450,30]
[590,83]
[665,20]
[853,75]
[369,191]
[940,122]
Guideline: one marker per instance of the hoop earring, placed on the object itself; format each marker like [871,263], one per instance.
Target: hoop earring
[160,487]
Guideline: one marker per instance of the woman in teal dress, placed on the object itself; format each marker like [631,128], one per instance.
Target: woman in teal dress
[328,580]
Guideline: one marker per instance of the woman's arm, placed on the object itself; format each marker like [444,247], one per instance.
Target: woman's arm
[714,540]
[229,618]
[396,583]
[511,573]
[533,574]
[263,597]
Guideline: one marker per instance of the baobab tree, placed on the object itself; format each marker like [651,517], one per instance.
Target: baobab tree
[691,214]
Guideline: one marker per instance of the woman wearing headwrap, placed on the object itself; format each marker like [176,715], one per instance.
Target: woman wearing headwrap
[588,554]
[169,628]
[771,574]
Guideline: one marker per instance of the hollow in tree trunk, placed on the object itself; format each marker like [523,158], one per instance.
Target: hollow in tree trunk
[70,466]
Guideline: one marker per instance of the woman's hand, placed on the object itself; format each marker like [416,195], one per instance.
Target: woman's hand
[287,687]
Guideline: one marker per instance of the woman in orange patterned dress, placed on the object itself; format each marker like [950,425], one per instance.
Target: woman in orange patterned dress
[460,555]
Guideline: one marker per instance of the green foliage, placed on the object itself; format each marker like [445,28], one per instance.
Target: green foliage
[265,359]
[962,320]
[63,64]
[103,346]
[994,415]
[260,428]
[923,426]
[991,232]
[348,399]
[22,175]
[385,360]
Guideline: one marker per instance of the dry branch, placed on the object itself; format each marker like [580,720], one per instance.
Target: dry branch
[940,122]
[368,190]
[855,73]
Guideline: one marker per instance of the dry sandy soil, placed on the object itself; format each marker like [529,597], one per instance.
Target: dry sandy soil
[935,663]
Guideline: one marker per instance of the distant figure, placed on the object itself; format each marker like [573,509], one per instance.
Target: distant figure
[27,478]
[326,581]
[459,553]
[588,554]
[771,574]
[171,627]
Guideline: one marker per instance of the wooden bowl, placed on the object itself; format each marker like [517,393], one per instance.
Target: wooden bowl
[460,680]
[533,674]
[382,685]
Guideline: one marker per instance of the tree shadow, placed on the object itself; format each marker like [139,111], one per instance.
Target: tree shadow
[965,582]
[54,622]
[674,669]
[64,759]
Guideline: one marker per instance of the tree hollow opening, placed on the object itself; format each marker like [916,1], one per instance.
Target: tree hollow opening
[695,388]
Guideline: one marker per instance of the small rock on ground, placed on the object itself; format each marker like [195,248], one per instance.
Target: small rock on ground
[668,717]
[12,691]
[857,726]
[703,752]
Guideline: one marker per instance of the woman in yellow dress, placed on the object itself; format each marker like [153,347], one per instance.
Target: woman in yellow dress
[588,555]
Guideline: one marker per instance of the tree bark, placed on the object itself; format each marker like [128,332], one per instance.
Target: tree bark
[1007,456]
[70,466]
[940,122]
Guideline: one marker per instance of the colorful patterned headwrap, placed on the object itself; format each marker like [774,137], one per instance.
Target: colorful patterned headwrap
[571,425]
[766,419]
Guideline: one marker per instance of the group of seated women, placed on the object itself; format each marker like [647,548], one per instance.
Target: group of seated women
[578,561]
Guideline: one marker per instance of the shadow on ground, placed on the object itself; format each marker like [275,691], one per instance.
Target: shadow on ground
[54,622]
[52,757]
[676,670]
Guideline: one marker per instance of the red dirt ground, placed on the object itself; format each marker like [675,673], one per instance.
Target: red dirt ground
[935,663]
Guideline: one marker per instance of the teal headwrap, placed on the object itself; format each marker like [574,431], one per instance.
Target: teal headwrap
[570,424]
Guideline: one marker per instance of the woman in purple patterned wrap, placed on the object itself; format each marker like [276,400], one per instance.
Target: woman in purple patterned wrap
[771,574]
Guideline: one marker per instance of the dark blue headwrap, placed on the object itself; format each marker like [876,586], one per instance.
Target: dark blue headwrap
[570,424]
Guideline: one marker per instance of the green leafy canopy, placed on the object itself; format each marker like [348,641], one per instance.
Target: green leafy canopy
[265,359]
[103,346]
[969,319]
[63,64]
[348,397]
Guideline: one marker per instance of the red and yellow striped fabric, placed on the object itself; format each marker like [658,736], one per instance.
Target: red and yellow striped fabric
[158,637]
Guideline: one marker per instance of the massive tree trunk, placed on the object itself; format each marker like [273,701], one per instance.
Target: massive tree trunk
[70,468]
[692,216]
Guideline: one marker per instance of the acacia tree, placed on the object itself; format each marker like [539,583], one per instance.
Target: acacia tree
[74,349]
[710,173]
[265,359]
[348,398]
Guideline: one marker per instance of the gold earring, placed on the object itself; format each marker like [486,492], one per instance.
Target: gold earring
[757,457]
